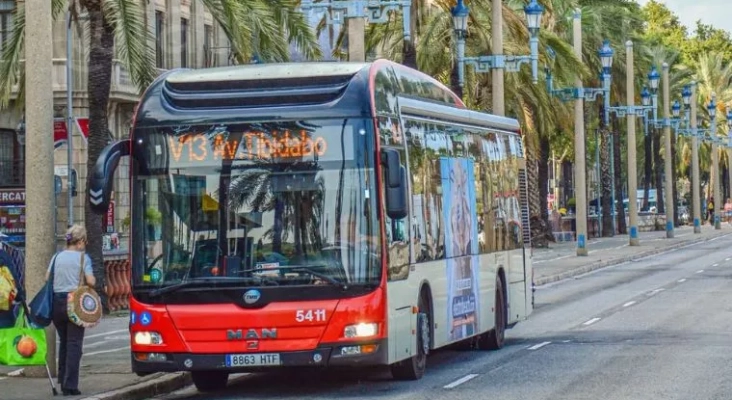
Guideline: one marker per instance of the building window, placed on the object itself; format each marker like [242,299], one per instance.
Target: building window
[184,43]
[208,59]
[159,39]
[10,173]
[6,27]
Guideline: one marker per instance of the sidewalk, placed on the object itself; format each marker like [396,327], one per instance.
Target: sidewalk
[105,366]
[560,261]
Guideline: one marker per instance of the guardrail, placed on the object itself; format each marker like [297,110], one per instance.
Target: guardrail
[117,267]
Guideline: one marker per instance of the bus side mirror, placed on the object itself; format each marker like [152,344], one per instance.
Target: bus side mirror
[101,180]
[395,184]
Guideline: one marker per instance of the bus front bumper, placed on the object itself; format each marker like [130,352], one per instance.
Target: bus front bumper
[364,354]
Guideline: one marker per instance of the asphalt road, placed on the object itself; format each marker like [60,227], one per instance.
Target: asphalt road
[659,328]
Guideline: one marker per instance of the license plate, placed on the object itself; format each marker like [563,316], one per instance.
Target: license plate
[252,360]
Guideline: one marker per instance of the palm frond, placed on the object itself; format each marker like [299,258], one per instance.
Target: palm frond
[299,31]
[12,71]
[131,39]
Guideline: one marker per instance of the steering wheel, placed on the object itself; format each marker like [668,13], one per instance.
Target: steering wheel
[154,261]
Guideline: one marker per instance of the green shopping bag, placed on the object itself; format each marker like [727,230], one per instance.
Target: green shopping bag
[22,345]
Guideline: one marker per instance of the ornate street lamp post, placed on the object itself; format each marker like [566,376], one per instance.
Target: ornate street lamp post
[580,94]
[510,63]
[358,11]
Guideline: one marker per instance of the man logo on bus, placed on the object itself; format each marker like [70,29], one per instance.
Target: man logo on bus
[252,296]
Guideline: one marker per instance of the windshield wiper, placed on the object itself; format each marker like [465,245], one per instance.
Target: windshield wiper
[196,281]
[308,270]
[329,279]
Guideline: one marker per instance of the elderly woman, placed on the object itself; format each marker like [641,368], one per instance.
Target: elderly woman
[67,266]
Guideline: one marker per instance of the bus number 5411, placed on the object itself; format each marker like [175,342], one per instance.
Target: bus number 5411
[310,315]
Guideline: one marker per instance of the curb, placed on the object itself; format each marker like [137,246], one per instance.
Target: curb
[163,384]
[609,263]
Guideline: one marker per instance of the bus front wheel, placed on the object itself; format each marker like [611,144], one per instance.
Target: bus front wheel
[210,381]
[413,368]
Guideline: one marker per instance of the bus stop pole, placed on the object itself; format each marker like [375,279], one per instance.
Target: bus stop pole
[69,123]
[39,177]
[580,188]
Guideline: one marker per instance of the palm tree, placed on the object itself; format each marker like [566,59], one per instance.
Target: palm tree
[713,76]
[537,113]
[679,75]
[120,26]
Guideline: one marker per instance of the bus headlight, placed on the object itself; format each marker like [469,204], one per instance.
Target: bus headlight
[148,338]
[361,330]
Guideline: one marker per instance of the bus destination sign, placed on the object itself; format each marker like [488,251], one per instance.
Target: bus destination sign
[200,147]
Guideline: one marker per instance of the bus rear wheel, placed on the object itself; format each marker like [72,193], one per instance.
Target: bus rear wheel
[413,368]
[493,340]
[210,381]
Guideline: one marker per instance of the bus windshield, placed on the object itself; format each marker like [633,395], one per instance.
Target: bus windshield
[266,203]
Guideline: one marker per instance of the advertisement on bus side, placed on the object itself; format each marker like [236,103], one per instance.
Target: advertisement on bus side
[461,241]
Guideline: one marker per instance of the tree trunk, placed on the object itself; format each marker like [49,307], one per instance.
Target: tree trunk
[101,52]
[532,154]
[647,169]
[567,184]
[543,172]
[675,177]
[658,171]
[606,183]
[409,56]
[409,47]
[455,80]
[619,196]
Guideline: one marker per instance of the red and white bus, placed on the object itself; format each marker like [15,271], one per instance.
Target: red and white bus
[317,215]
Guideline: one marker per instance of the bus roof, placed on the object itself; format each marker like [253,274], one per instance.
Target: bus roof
[238,73]
[283,91]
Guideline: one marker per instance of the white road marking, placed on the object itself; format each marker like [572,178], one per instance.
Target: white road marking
[700,271]
[715,265]
[3,377]
[592,321]
[628,304]
[682,280]
[94,353]
[727,259]
[538,346]
[655,291]
[552,259]
[105,333]
[106,341]
[17,372]
[92,345]
[460,381]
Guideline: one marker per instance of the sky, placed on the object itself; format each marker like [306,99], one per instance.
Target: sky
[713,12]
